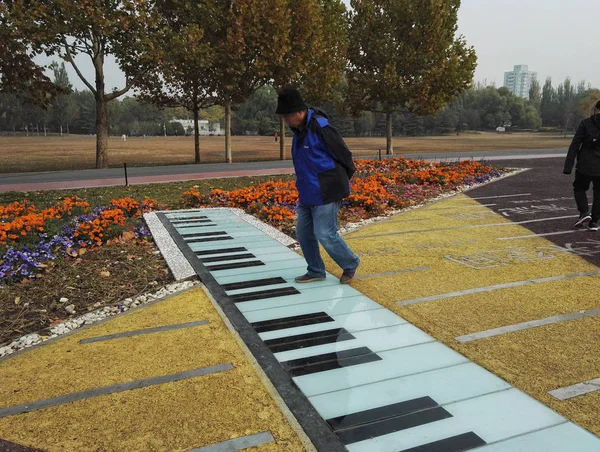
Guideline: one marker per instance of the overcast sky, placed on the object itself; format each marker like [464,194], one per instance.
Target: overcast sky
[555,38]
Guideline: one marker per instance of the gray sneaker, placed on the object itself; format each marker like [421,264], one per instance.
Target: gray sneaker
[584,218]
[308,278]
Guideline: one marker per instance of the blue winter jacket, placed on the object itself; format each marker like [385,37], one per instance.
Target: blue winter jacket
[322,161]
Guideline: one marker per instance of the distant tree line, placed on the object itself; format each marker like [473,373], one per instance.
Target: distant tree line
[479,108]
[379,56]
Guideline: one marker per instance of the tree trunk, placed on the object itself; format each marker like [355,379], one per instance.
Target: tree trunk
[101,110]
[228,132]
[196,136]
[67,129]
[45,131]
[281,138]
[389,148]
[101,131]
[61,133]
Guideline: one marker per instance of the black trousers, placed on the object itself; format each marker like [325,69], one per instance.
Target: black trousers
[580,186]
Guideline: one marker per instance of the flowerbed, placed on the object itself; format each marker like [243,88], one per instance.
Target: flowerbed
[31,238]
[377,187]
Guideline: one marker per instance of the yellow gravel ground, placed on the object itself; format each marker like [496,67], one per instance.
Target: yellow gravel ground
[173,416]
[537,360]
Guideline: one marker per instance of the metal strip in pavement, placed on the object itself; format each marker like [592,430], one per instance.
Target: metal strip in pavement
[501,196]
[419,231]
[243,442]
[576,390]
[530,236]
[106,390]
[495,287]
[144,331]
[526,325]
[396,272]
[478,206]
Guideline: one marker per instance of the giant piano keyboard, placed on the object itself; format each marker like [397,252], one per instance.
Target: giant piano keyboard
[377,382]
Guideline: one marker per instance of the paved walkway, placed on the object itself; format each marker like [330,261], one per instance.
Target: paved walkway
[144,175]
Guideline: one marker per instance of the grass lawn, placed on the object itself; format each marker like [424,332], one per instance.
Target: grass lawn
[55,153]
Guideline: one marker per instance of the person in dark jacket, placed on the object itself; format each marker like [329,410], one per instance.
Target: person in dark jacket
[324,167]
[585,147]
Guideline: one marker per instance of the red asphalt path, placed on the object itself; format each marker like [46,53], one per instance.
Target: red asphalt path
[138,180]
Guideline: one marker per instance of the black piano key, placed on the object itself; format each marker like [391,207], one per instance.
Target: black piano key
[391,425]
[230,257]
[213,268]
[380,413]
[331,365]
[210,239]
[263,294]
[291,322]
[203,234]
[220,251]
[458,443]
[197,217]
[284,344]
[333,356]
[253,283]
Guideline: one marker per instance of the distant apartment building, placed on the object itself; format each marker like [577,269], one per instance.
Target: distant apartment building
[518,81]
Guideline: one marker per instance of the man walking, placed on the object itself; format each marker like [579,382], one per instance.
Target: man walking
[324,167]
[585,147]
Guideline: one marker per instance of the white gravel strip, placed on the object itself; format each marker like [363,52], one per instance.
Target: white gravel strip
[95,316]
[179,265]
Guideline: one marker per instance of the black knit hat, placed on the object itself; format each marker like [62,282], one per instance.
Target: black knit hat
[598,105]
[289,101]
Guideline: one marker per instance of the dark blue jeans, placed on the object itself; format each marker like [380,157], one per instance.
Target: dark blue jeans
[580,186]
[319,224]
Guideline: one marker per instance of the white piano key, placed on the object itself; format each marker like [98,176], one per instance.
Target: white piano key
[204,227]
[393,364]
[230,243]
[269,269]
[331,307]
[252,249]
[266,242]
[561,438]
[290,282]
[446,385]
[376,340]
[264,258]
[244,234]
[339,292]
[492,417]
[354,322]
[289,275]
